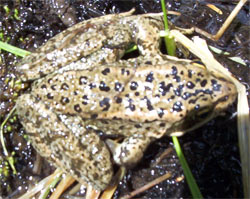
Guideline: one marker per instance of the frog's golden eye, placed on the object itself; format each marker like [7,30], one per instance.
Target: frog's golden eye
[198,64]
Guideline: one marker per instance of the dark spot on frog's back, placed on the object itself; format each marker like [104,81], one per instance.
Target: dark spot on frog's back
[50,81]
[83,80]
[104,87]
[106,71]
[27,113]
[50,96]
[149,104]
[85,99]
[118,87]
[92,85]
[133,85]
[137,93]
[41,74]
[162,124]
[125,71]
[163,89]
[177,78]
[174,70]
[94,116]
[203,83]
[64,86]
[150,77]
[186,95]
[138,126]
[190,73]
[105,103]
[96,176]
[131,106]
[200,74]
[64,100]
[190,85]
[118,100]
[177,107]
[178,90]
[53,87]
[77,108]
[43,86]
[216,86]
[160,112]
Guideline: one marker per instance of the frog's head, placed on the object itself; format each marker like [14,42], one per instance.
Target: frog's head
[207,103]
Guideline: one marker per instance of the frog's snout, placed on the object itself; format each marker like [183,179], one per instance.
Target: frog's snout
[227,95]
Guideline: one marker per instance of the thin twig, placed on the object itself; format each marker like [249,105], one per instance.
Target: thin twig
[62,186]
[147,186]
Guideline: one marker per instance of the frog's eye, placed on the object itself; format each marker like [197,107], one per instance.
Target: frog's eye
[198,64]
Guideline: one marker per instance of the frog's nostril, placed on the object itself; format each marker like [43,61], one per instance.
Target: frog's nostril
[223,99]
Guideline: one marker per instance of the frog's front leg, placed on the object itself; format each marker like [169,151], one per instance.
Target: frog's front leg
[65,142]
[131,150]
[146,33]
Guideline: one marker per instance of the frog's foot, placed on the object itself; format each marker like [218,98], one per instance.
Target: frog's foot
[65,142]
[130,151]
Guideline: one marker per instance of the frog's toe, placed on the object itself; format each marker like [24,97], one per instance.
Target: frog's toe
[130,151]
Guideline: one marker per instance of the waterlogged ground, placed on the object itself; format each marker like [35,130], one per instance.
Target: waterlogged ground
[212,151]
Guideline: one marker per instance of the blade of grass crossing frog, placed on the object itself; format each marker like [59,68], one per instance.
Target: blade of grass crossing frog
[12,49]
[169,40]
[200,49]
[195,191]
[171,48]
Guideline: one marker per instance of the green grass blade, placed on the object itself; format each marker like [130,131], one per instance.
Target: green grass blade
[169,40]
[171,48]
[13,49]
[131,48]
[195,191]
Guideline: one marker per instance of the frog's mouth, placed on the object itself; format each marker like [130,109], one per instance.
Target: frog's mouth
[196,119]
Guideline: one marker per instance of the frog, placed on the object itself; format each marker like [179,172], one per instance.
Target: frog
[89,109]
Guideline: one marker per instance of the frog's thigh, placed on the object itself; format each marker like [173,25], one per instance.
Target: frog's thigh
[131,150]
[148,39]
[31,123]
[83,154]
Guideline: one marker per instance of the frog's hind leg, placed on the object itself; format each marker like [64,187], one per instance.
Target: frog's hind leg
[130,151]
[65,142]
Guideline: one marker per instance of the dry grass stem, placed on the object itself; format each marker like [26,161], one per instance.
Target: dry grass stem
[62,186]
[214,8]
[92,193]
[108,193]
[41,185]
[37,165]
[225,25]
[163,155]
[147,186]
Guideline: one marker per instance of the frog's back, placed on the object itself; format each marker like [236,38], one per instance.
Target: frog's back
[146,98]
